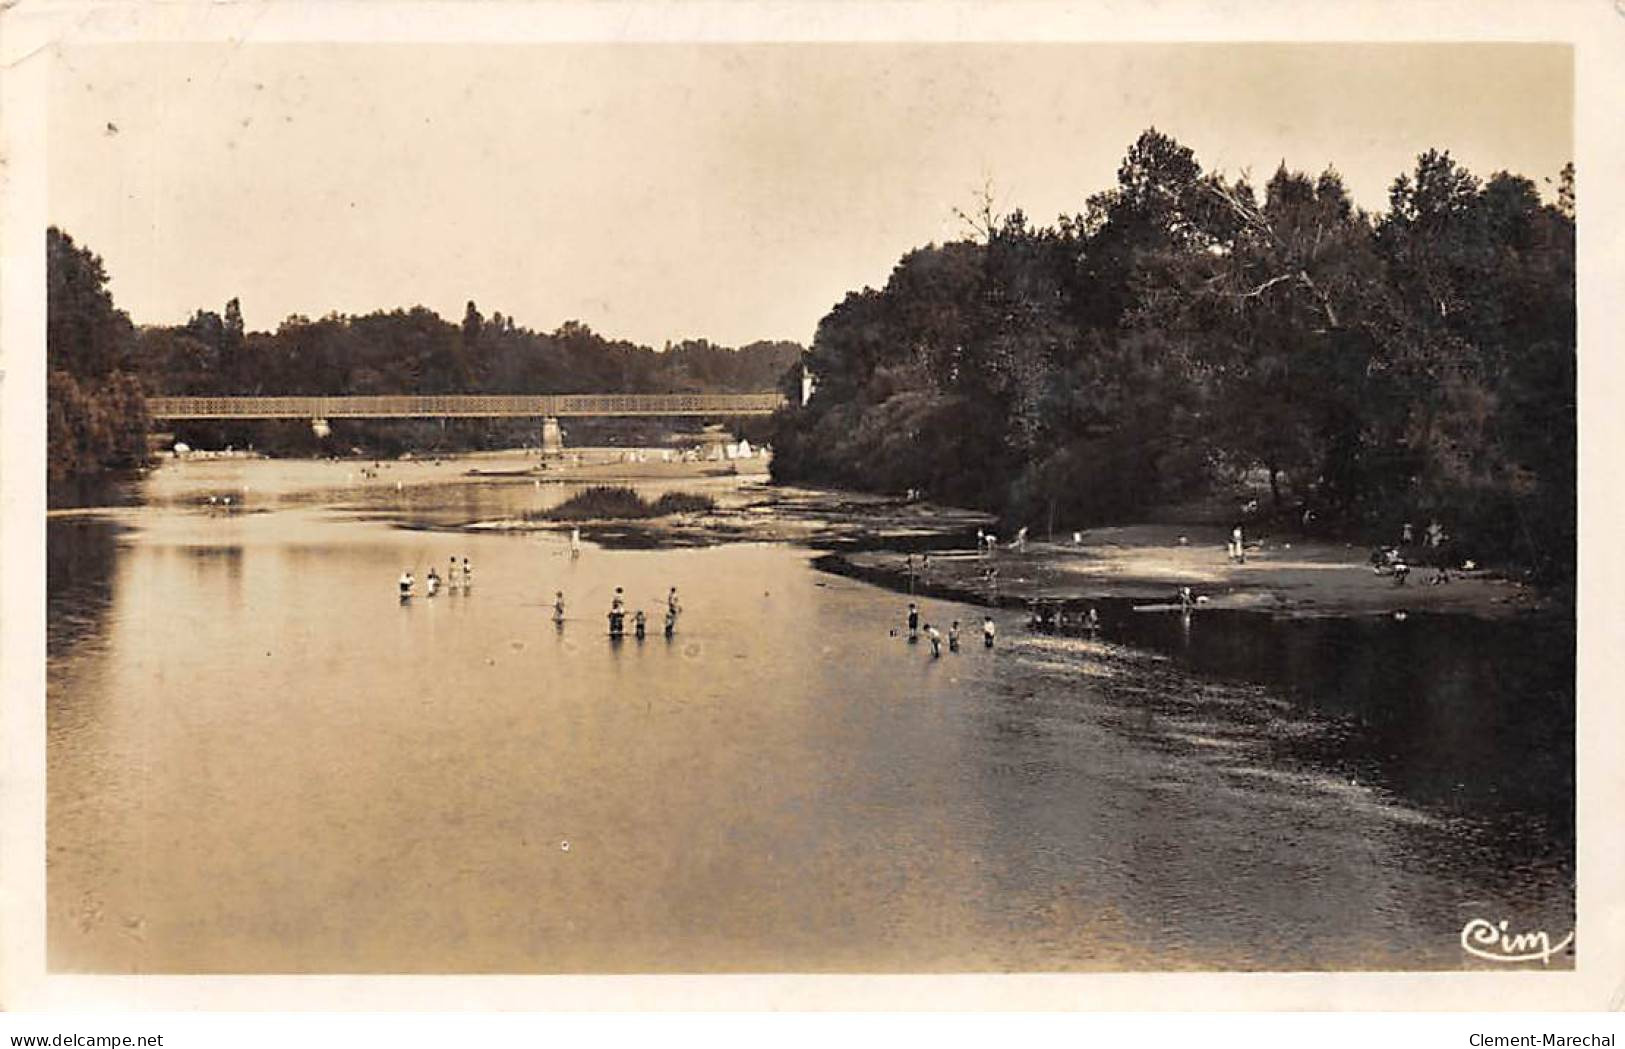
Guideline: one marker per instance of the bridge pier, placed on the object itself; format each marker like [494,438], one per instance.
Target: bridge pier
[552,436]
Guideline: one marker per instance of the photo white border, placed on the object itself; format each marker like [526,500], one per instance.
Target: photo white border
[31,30]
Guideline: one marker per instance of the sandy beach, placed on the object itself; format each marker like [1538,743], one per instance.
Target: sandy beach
[1152,561]
[872,537]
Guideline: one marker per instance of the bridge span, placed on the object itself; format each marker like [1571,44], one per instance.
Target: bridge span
[468,406]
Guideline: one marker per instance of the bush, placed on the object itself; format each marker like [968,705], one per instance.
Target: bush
[617,502]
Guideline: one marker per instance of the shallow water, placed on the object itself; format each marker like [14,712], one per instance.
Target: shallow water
[261,761]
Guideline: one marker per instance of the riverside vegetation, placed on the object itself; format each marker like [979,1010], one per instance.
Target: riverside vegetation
[1187,334]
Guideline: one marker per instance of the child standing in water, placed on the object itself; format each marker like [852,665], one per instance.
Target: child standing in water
[406,584]
[913,621]
[638,624]
[953,636]
[468,576]
[988,630]
[671,623]
[575,542]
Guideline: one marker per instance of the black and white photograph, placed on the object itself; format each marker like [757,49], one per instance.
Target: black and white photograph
[709,506]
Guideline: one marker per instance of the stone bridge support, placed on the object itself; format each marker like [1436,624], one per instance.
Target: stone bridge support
[552,436]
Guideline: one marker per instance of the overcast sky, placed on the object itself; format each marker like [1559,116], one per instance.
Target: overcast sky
[667,191]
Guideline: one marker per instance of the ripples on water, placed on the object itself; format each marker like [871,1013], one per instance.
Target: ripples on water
[259,760]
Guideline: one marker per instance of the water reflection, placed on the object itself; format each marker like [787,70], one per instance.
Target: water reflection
[261,760]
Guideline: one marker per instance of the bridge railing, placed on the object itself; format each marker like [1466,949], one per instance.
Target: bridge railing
[450,406]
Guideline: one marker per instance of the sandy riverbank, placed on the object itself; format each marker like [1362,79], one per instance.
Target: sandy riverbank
[871,534]
[1149,562]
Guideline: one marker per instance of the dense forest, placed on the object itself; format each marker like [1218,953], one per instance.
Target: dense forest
[96,415]
[1186,334]
[102,367]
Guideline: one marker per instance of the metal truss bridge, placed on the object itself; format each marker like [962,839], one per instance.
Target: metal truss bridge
[467,406]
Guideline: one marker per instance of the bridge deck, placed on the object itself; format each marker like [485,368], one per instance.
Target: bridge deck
[466,406]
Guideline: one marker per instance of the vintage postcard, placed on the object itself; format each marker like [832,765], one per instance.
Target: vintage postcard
[841,504]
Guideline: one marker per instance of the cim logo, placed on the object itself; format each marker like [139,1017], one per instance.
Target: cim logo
[1492,942]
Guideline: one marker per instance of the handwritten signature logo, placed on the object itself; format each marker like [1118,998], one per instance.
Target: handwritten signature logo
[1491,941]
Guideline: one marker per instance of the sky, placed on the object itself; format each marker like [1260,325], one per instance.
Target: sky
[670,191]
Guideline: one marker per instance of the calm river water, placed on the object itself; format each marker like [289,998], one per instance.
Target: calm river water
[260,760]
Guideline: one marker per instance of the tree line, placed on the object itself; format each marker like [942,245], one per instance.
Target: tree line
[1188,333]
[101,368]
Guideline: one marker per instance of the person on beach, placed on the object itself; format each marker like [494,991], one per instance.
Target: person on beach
[638,624]
[1021,540]
[406,584]
[953,636]
[935,637]
[988,630]
[981,542]
[431,582]
[913,622]
[1238,548]
[558,607]
[1091,621]
[1436,553]
[1402,571]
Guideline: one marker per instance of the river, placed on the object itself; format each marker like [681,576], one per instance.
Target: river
[261,761]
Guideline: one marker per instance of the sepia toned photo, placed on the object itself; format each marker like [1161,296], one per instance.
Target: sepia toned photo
[810,507]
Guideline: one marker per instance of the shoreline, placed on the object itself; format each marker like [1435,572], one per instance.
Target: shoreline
[1150,563]
[872,538]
